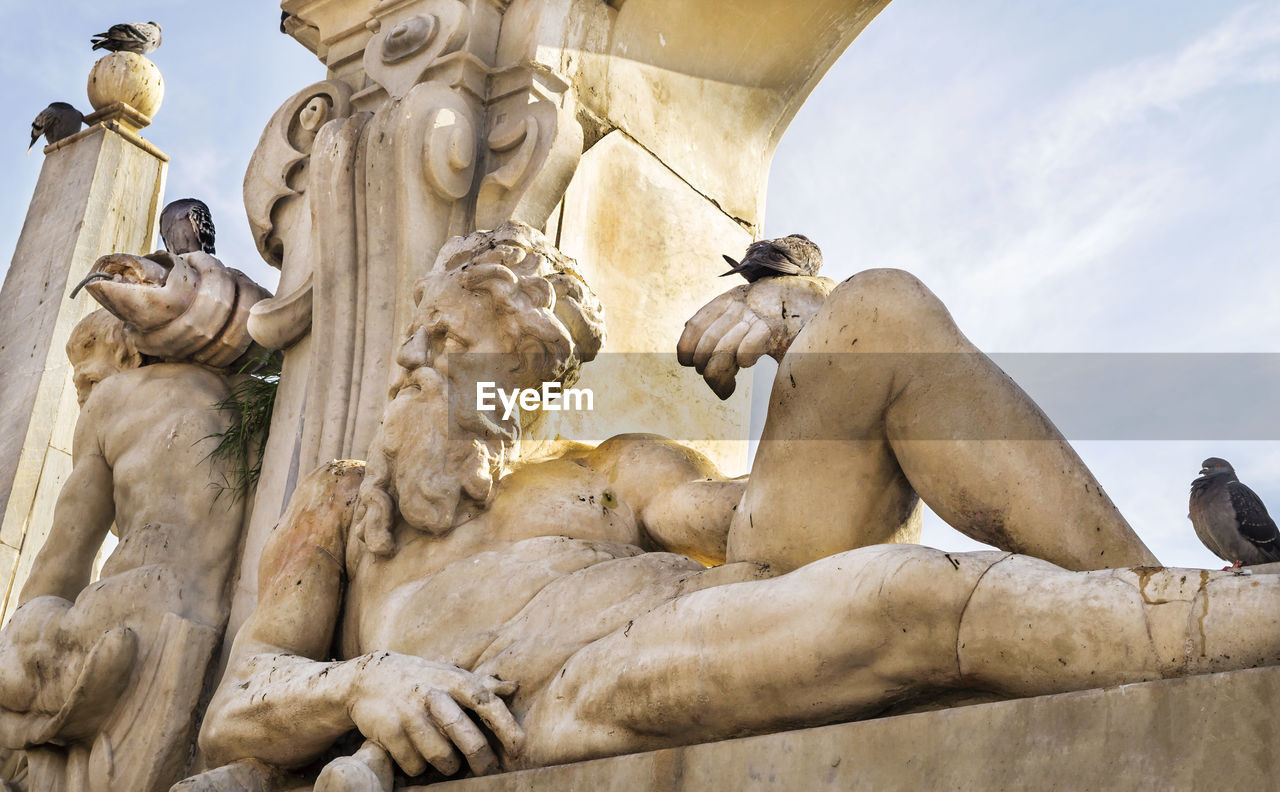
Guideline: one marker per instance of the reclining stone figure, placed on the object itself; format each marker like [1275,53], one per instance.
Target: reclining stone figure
[481,571]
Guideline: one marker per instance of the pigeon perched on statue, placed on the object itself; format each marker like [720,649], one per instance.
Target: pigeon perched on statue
[138,37]
[186,225]
[1230,519]
[55,122]
[768,258]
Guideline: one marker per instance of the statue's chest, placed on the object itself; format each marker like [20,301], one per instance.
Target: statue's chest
[452,614]
[560,498]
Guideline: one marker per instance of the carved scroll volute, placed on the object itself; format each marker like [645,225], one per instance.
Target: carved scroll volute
[534,144]
[276,169]
[449,147]
[407,42]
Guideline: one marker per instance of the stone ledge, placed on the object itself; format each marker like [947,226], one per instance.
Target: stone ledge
[1209,732]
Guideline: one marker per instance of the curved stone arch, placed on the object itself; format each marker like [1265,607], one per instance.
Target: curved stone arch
[731,81]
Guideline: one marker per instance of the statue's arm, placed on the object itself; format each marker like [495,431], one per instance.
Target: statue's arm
[283,700]
[736,328]
[280,701]
[82,515]
[681,499]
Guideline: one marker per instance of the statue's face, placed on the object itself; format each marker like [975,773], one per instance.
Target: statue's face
[455,332]
[91,364]
[431,429]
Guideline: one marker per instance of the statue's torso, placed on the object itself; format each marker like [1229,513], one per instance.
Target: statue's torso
[552,564]
[156,435]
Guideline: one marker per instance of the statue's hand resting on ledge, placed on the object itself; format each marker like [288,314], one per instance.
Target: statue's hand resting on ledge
[414,709]
[732,331]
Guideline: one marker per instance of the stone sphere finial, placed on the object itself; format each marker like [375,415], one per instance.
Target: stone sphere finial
[126,78]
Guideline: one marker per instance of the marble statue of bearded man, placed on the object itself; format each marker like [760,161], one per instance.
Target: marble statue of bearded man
[485,595]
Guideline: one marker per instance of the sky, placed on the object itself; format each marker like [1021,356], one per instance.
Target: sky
[1069,177]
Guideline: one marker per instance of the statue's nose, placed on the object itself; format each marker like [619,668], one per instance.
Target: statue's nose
[414,352]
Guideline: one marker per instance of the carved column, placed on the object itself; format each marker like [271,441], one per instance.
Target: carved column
[99,191]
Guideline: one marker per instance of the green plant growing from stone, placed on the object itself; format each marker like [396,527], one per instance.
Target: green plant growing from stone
[252,399]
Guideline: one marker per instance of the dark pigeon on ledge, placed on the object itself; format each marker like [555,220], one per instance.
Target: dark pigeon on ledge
[186,225]
[137,37]
[1230,518]
[769,258]
[57,121]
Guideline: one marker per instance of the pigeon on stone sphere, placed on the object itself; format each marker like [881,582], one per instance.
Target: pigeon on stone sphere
[1230,519]
[768,258]
[55,122]
[185,226]
[139,37]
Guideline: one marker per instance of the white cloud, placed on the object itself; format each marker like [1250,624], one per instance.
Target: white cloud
[1241,49]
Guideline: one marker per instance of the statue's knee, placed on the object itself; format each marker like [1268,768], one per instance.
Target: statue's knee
[885,289]
[36,619]
[891,300]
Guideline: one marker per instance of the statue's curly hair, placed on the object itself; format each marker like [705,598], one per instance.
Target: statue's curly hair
[537,293]
[102,327]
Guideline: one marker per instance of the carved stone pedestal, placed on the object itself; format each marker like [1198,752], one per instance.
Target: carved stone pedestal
[1207,732]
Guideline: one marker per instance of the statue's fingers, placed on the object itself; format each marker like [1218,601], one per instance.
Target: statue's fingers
[722,386]
[404,751]
[730,341]
[431,744]
[501,687]
[348,774]
[721,374]
[450,719]
[711,339]
[754,344]
[493,711]
[696,327]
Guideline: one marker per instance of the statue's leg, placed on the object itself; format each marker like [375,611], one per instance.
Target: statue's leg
[880,397]
[27,640]
[851,635]
[836,639]
[248,775]
[83,662]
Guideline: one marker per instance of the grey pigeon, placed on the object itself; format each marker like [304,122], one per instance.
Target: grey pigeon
[789,255]
[139,37]
[1230,519]
[55,122]
[185,226]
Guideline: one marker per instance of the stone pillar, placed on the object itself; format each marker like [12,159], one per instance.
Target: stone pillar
[99,192]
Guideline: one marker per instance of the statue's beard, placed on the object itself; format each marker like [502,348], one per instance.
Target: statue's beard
[434,462]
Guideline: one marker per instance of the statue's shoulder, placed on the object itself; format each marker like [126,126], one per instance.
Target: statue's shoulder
[188,383]
[316,524]
[636,449]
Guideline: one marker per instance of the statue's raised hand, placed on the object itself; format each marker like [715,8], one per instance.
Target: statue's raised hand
[762,318]
[414,708]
